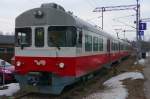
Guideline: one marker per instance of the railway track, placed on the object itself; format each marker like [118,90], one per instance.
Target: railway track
[75,89]
[20,95]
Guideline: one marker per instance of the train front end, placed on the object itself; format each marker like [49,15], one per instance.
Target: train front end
[45,49]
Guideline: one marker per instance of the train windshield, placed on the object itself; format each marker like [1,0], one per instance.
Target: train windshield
[62,36]
[23,36]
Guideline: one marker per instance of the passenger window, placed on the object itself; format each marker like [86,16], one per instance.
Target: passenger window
[95,44]
[112,46]
[100,44]
[88,43]
[39,37]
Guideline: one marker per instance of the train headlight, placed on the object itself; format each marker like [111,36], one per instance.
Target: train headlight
[18,63]
[61,65]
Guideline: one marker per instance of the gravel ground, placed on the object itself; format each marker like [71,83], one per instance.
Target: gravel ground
[135,89]
[147,76]
[80,90]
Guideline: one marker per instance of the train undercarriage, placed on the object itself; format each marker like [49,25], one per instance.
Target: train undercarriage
[44,82]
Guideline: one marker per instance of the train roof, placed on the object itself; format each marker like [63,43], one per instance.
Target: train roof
[54,15]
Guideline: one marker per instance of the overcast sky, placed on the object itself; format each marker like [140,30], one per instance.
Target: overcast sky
[10,9]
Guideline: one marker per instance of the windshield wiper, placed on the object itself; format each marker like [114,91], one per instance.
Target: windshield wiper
[20,43]
[55,43]
[22,46]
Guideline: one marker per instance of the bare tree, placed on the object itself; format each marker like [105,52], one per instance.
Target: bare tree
[7,33]
[1,33]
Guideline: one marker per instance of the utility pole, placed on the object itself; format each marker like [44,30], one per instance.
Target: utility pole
[137,21]
[117,35]
[137,31]
[124,31]
[124,34]
[117,32]
[103,9]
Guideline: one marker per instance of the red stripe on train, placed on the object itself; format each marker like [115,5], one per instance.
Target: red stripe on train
[74,66]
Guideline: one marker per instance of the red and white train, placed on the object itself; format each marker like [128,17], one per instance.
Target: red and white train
[55,49]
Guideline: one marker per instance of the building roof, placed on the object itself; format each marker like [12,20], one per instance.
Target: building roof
[7,39]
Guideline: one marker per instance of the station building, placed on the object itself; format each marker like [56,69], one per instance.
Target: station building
[7,43]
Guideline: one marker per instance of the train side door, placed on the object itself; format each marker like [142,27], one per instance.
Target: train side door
[79,41]
[108,50]
[119,48]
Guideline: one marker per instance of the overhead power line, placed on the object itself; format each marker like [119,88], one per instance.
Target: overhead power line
[124,23]
[94,18]
[125,16]
[145,20]
[89,3]
[114,8]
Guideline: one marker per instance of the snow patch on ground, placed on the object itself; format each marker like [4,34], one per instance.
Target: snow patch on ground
[147,54]
[116,90]
[141,61]
[12,88]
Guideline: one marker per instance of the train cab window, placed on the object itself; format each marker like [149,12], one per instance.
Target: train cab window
[39,37]
[62,36]
[23,36]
